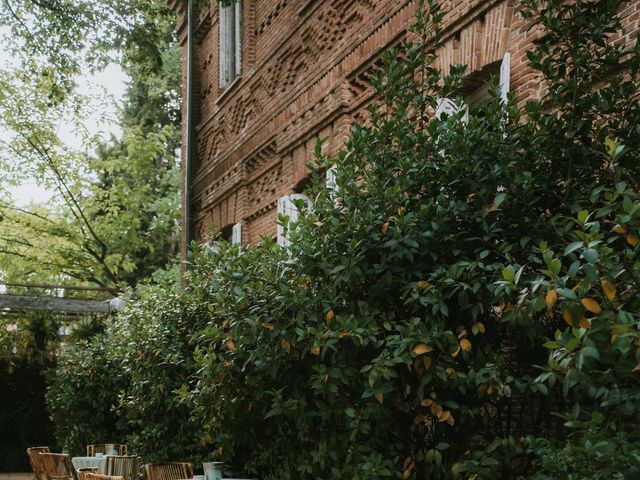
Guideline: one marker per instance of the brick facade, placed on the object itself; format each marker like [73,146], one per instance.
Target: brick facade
[303,76]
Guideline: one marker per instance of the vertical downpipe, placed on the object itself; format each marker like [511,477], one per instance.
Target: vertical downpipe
[190,146]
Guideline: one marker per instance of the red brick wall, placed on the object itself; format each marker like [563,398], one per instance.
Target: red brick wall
[303,77]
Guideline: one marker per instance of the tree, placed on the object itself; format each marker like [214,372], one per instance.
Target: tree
[115,219]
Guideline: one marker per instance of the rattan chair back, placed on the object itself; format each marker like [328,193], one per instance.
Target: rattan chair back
[82,471]
[168,471]
[124,466]
[99,476]
[56,465]
[34,460]
[103,448]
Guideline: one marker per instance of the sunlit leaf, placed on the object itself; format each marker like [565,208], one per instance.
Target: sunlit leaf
[591,305]
[422,349]
[566,314]
[609,289]
[551,298]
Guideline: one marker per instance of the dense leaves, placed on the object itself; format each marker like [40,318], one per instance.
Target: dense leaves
[462,305]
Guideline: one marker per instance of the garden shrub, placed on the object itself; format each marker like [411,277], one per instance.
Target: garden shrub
[406,334]
[84,392]
[128,384]
[24,420]
[463,305]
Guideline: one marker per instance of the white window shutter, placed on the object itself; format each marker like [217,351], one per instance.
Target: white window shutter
[238,38]
[505,77]
[236,233]
[223,45]
[330,179]
[287,208]
[445,106]
[283,208]
[448,107]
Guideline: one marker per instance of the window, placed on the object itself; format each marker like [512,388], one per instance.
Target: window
[236,233]
[330,179]
[447,106]
[288,214]
[230,43]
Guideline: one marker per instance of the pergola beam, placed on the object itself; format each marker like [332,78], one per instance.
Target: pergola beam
[54,304]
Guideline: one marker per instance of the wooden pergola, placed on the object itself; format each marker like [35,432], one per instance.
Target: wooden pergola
[64,305]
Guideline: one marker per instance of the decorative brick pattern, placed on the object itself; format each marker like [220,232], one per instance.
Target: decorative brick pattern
[305,74]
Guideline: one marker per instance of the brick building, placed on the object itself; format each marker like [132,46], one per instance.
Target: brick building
[268,77]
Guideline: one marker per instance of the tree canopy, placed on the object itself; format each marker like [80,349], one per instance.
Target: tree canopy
[114,217]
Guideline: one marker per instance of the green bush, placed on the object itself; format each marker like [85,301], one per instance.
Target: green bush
[24,421]
[83,397]
[128,384]
[464,305]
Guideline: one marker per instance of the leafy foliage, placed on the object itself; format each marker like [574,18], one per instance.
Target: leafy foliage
[114,220]
[463,305]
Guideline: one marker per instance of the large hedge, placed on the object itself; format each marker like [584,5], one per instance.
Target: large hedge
[463,305]
[24,420]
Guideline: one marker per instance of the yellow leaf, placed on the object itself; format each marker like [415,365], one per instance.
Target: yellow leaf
[380,398]
[315,351]
[584,323]
[473,477]
[450,420]
[268,326]
[489,389]
[619,229]
[406,474]
[422,349]
[566,314]
[343,334]
[450,371]
[632,240]
[494,207]
[422,284]
[385,227]
[444,416]
[436,409]
[591,305]
[481,328]
[286,346]
[465,344]
[502,305]
[427,402]
[426,362]
[552,298]
[636,368]
[455,354]
[230,345]
[329,316]
[609,289]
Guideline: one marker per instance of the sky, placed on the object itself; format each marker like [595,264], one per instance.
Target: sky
[106,88]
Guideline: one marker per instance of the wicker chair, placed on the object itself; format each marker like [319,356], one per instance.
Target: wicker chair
[168,471]
[103,448]
[82,472]
[127,467]
[36,463]
[57,466]
[98,476]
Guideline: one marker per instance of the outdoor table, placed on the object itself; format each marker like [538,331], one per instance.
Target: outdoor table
[84,462]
